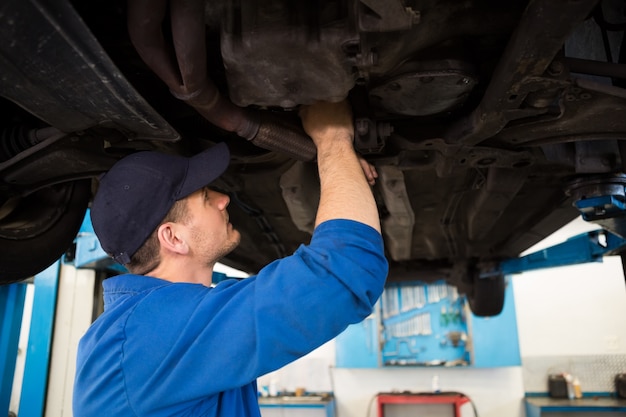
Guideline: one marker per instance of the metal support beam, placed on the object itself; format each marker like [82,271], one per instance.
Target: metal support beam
[35,380]
[11,311]
[540,35]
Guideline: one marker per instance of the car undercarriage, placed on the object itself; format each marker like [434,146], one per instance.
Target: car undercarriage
[491,124]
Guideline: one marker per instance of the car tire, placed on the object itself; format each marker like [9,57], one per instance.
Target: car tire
[38,229]
[487,296]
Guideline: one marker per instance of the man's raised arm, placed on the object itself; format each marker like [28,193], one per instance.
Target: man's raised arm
[345,192]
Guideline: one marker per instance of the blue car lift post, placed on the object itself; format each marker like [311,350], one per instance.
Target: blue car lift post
[35,381]
[11,305]
[39,340]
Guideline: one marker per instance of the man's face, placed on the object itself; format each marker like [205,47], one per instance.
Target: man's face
[212,236]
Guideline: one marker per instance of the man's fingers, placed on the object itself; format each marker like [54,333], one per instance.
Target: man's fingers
[369,170]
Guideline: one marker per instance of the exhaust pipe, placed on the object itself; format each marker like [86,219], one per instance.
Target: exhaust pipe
[183,69]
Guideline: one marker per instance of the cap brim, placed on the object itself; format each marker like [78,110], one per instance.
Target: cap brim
[204,168]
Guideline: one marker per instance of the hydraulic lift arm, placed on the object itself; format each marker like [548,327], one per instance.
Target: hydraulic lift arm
[583,248]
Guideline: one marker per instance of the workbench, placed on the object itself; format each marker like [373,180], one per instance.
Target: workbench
[297,406]
[586,406]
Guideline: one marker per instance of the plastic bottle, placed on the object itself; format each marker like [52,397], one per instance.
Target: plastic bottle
[578,393]
[273,388]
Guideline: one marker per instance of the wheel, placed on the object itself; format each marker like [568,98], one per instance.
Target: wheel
[37,229]
[486,298]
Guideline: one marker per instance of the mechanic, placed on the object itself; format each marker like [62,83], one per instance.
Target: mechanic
[170,344]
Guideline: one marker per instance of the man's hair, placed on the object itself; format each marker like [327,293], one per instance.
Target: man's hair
[147,256]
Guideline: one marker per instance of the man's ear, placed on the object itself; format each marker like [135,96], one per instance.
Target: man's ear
[172,239]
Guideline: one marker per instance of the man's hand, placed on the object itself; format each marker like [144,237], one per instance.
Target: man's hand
[327,122]
[369,170]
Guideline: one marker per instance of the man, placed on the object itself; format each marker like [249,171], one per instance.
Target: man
[167,344]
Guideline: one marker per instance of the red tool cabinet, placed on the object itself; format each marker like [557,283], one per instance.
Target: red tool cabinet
[455,401]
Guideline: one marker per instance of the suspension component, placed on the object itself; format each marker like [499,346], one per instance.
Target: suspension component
[14,140]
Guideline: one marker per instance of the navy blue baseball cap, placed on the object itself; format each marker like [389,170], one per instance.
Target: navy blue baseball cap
[134,196]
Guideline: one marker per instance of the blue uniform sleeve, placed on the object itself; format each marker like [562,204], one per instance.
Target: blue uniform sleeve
[212,340]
